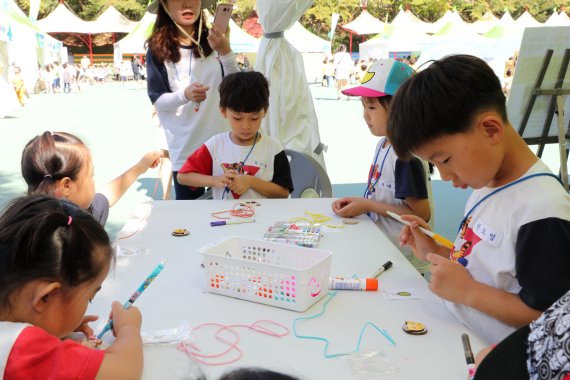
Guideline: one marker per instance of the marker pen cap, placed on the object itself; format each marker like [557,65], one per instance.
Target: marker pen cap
[371,284]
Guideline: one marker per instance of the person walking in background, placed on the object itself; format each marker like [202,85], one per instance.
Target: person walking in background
[9,102]
[342,67]
[136,67]
[85,62]
[328,72]
[67,77]
[19,86]
[57,74]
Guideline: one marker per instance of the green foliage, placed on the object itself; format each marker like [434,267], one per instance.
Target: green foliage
[318,18]
[90,9]
[242,10]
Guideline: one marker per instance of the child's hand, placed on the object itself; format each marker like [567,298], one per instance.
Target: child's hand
[420,243]
[124,318]
[482,354]
[349,207]
[449,279]
[150,160]
[84,327]
[240,184]
[225,179]
[196,92]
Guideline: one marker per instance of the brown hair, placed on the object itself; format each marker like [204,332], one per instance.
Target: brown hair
[50,157]
[163,41]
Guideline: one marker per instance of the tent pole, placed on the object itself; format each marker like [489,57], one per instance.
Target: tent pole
[350,46]
[90,49]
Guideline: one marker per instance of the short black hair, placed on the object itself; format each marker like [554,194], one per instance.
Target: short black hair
[443,100]
[255,374]
[244,91]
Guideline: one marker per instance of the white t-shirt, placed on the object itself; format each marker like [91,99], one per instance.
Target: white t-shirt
[9,332]
[392,180]
[517,241]
[342,65]
[186,129]
[266,160]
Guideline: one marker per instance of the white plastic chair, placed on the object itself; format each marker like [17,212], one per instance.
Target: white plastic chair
[310,180]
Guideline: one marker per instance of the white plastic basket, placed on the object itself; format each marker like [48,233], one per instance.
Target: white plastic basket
[275,274]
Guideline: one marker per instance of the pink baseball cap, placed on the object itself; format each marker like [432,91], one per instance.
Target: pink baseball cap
[383,77]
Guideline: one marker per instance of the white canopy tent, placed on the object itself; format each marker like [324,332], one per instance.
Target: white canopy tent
[362,25]
[63,20]
[407,19]
[485,23]
[557,19]
[455,27]
[291,118]
[448,17]
[394,39]
[312,47]
[23,44]
[112,21]
[305,41]
[506,19]
[134,41]
[527,21]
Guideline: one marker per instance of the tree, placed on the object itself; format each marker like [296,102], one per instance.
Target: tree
[89,10]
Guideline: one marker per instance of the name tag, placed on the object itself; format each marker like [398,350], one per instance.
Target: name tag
[486,233]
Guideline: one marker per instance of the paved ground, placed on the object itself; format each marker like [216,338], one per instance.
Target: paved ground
[115,121]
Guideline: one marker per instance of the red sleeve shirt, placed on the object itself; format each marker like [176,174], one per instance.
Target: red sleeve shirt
[39,355]
[199,162]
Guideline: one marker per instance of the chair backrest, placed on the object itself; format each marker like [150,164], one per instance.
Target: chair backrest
[310,180]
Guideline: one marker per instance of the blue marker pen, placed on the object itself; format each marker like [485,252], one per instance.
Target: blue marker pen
[135,295]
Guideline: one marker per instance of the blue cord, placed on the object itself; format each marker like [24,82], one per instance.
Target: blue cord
[503,188]
[370,184]
[326,341]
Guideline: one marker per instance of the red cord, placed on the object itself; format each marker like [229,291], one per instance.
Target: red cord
[240,210]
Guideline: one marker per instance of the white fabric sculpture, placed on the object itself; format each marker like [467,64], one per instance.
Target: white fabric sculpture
[291,118]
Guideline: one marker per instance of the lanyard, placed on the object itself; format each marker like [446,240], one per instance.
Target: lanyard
[226,190]
[189,70]
[501,189]
[370,185]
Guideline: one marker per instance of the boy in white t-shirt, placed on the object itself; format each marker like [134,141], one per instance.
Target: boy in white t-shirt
[241,164]
[510,260]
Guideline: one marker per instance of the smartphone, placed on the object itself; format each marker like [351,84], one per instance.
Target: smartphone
[222,17]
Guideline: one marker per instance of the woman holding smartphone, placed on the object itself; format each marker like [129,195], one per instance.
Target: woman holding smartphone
[185,65]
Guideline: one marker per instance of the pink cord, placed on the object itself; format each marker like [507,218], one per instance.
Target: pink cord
[262,326]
